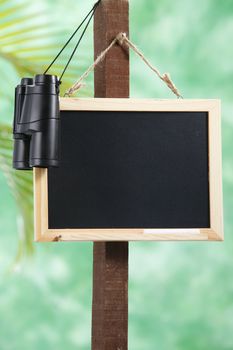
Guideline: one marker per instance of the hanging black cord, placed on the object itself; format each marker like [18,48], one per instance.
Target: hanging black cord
[91,12]
[63,48]
[81,36]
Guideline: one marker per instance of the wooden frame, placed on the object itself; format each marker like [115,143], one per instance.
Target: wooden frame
[214,233]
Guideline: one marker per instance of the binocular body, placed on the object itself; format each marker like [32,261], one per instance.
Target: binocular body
[36,128]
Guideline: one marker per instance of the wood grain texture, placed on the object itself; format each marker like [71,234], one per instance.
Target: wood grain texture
[140,105]
[112,75]
[110,260]
[215,171]
[110,296]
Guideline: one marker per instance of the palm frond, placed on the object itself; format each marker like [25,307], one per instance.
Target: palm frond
[29,41]
[21,187]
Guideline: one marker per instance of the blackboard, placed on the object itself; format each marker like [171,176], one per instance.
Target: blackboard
[129,169]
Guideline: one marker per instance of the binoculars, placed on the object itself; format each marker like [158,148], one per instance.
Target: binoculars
[36,128]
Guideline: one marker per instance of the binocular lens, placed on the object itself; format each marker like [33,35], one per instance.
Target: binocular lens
[21,154]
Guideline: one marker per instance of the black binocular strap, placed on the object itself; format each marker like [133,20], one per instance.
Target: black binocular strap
[91,14]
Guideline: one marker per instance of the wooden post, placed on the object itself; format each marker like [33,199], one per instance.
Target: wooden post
[110,260]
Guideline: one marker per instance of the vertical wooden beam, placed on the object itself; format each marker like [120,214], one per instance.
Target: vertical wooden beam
[112,75]
[110,296]
[110,259]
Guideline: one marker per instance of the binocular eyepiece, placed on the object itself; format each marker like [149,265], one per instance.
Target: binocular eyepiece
[36,128]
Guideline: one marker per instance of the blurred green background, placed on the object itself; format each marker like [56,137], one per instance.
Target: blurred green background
[180,294]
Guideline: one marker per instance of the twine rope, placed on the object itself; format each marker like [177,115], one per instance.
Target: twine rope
[122,40]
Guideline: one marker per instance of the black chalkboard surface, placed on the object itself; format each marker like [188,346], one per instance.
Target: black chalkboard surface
[131,169]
